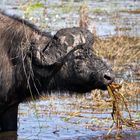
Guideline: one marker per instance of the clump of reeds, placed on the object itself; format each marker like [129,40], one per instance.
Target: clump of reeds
[120,50]
[84,18]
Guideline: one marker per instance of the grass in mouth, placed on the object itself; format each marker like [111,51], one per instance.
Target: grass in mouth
[118,100]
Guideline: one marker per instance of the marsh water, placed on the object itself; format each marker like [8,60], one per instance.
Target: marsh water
[78,118]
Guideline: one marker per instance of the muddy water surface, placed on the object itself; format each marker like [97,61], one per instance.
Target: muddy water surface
[61,118]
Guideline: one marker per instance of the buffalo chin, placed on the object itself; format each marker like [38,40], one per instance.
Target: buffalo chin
[78,88]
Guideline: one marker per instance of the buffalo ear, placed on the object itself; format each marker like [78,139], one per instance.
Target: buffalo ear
[60,61]
[47,69]
[40,59]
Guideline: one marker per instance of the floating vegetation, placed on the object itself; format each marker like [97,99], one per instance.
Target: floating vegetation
[118,100]
[98,11]
[135,11]
[30,7]
[123,29]
[67,8]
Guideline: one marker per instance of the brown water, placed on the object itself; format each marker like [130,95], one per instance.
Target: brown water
[78,118]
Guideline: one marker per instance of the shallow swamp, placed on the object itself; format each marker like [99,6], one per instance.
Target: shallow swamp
[116,27]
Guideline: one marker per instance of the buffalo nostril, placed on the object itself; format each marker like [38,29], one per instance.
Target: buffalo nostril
[108,78]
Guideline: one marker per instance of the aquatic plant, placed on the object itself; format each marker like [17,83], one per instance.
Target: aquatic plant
[117,100]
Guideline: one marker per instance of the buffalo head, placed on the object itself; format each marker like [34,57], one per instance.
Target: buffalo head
[83,71]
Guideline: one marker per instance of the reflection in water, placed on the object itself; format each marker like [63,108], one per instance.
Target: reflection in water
[8,135]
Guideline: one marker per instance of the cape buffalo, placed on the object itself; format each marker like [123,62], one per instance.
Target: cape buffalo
[32,61]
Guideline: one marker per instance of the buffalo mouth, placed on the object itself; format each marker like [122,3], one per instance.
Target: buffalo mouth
[88,88]
[103,87]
